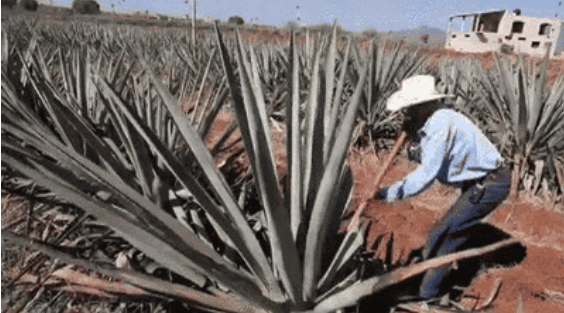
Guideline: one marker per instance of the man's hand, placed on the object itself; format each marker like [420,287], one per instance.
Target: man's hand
[382,194]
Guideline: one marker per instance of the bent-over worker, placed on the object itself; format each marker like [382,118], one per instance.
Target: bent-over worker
[453,150]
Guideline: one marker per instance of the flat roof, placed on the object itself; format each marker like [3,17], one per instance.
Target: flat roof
[503,11]
[477,13]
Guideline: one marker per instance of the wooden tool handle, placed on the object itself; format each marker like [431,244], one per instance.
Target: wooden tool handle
[395,150]
[356,217]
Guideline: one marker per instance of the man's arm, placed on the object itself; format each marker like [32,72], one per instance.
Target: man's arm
[434,149]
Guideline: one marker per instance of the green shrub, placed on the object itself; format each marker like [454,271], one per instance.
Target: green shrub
[86,7]
[291,25]
[29,5]
[236,19]
[371,33]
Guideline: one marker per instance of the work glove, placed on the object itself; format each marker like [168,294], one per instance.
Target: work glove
[414,152]
[382,194]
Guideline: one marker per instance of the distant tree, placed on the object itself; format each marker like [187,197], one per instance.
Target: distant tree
[371,33]
[291,25]
[425,38]
[236,19]
[506,49]
[29,5]
[86,7]
[9,3]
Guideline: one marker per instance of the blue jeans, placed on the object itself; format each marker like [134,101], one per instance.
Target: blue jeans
[478,200]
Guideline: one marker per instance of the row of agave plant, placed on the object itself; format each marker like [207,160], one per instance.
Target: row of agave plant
[116,178]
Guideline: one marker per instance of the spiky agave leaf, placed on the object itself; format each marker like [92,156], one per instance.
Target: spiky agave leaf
[255,258]
[387,68]
[285,257]
[316,234]
[294,187]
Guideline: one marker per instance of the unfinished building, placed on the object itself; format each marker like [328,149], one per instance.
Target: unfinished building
[506,32]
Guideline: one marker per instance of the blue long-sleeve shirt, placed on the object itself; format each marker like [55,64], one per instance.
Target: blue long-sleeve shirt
[453,150]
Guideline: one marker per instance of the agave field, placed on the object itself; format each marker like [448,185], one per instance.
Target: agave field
[121,193]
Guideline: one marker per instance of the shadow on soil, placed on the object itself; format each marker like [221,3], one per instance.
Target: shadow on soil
[482,235]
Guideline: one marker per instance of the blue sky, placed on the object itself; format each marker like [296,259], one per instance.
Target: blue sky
[352,14]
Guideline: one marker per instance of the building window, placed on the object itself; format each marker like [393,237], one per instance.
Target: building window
[544,29]
[517,27]
[535,44]
[489,22]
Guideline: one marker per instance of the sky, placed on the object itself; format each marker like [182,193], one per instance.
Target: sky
[355,15]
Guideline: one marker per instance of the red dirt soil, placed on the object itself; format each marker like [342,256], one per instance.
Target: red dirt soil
[538,280]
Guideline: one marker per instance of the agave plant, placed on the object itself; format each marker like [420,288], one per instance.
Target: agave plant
[177,209]
[388,66]
[536,117]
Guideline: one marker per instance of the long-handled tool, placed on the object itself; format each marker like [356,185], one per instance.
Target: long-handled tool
[356,217]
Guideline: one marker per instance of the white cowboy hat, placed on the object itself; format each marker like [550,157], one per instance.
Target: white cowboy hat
[414,90]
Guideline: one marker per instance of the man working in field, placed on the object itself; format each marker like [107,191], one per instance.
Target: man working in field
[453,150]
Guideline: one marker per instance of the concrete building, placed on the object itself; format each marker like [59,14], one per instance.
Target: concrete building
[506,32]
